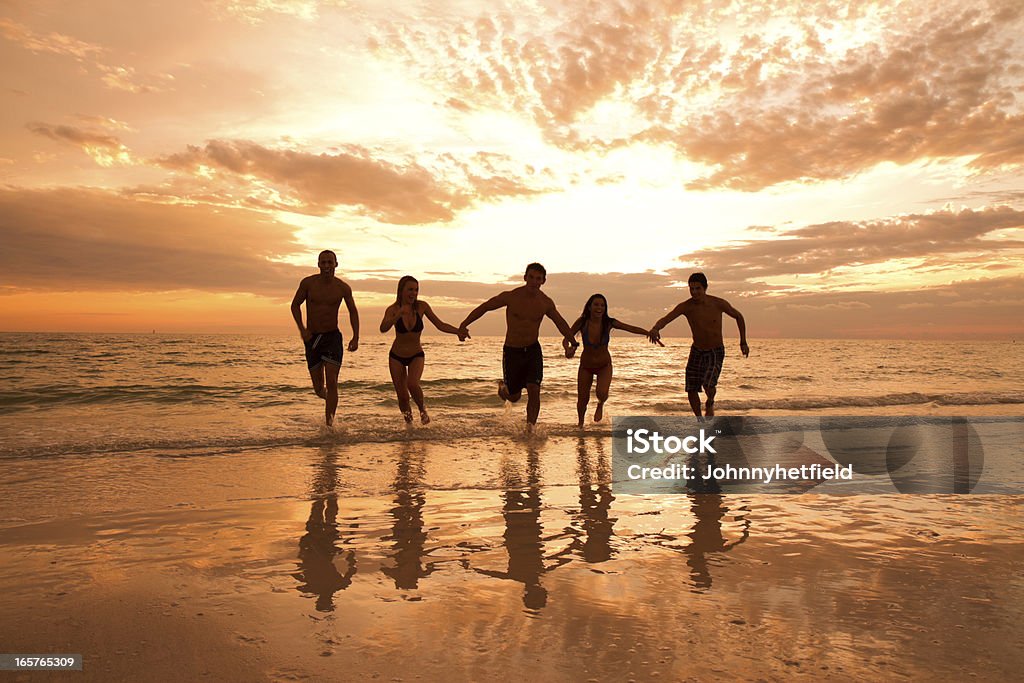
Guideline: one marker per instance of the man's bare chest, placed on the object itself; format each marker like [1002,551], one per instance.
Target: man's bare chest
[325,294]
[532,311]
[704,317]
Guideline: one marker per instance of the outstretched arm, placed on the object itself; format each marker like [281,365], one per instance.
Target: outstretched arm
[442,325]
[300,296]
[391,314]
[654,334]
[569,337]
[619,325]
[740,324]
[353,317]
[492,304]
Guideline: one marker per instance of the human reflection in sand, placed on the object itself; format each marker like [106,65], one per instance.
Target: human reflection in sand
[708,507]
[407,532]
[709,536]
[319,557]
[523,532]
[594,543]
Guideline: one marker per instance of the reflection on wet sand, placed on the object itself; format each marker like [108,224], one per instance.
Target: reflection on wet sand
[318,573]
[407,534]
[708,507]
[394,535]
[257,575]
[708,510]
[523,531]
[593,528]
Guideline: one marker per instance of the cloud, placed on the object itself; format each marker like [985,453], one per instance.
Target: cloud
[106,150]
[116,77]
[760,94]
[406,192]
[403,194]
[256,11]
[67,240]
[940,238]
[56,43]
[85,239]
[125,78]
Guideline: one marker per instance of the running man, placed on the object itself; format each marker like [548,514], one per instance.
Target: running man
[323,295]
[522,361]
[704,313]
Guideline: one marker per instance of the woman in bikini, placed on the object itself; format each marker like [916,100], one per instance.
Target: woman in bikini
[406,356]
[596,326]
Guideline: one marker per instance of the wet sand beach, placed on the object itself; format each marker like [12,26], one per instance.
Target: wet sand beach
[499,558]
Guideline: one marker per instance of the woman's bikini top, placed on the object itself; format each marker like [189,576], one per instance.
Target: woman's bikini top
[400,324]
[605,336]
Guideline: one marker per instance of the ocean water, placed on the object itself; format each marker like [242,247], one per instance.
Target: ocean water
[190,482]
[82,393]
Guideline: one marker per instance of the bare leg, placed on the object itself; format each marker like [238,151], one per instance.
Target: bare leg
[532,403]
[317,376]
[694,397]
[399,377]
[331,382]
[709,405]
[415,372]
[604,384]
[505,395]
[584,379]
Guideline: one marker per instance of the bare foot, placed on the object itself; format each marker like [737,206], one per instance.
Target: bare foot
[407,414]
[502,390]
[424,418]
[580,425]
[599,413]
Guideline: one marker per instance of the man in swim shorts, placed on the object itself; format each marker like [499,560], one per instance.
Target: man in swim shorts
[323,295]
[704,313]
[522,361]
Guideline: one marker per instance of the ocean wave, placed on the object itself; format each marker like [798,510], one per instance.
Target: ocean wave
[304,432]
[805,403]
[48,395]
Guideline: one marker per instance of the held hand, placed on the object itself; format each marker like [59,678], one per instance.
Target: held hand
[353,345]
[655,337]
[569,344]
[745,349]
[463,334]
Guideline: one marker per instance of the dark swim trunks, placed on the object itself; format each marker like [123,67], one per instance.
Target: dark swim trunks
[406,360]
[324,347]
[521,366]
[703,367]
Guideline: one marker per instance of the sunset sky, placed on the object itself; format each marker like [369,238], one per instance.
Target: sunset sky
[838,169]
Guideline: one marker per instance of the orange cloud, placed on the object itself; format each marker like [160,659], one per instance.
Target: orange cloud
[399,193]
[53,42]
[82,239]
[396,194]
[762,95]
[105,150]
[942,238]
